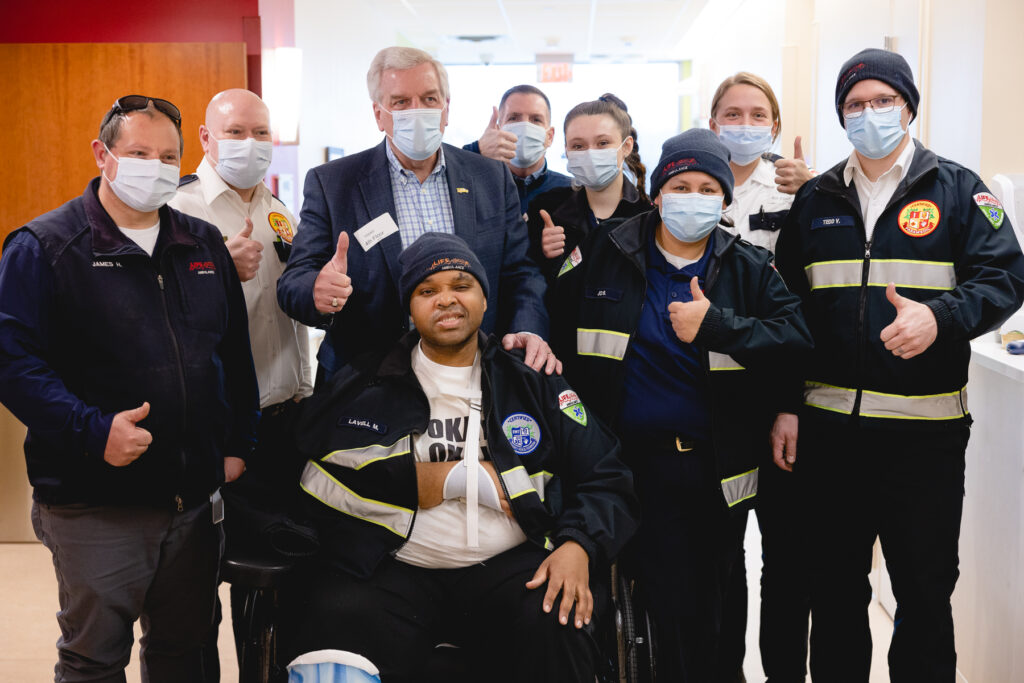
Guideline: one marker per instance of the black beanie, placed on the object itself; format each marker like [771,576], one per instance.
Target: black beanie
[433,252]
[697,149]
[882,65]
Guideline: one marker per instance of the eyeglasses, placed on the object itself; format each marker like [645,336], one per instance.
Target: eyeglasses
[880,105]
[129,103]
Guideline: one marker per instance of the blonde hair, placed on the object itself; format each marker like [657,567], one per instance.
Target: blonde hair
[747,78]
[400,59]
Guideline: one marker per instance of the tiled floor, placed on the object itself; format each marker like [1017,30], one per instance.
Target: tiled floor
[28,630]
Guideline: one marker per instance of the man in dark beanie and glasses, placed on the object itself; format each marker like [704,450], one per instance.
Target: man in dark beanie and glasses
[459,496]
[901,258]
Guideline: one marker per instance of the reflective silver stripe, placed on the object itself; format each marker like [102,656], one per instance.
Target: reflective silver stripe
[948,406]
[358,458]
[331,492]
[519,482]
[739,488]
[722,361]
[905,273]
[912,274]
[603,343]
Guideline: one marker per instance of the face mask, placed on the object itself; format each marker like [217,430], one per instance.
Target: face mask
[529,144]
[692,216]
[417,132]
[143,184]
[876,135]
[243,163]
[745,143]
[594,168]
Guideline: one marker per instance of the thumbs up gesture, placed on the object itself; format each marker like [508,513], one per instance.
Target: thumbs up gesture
[496,143]
[552,237]
[914,328]
[790,174]
[245,252]
[333,286]
[687,317]
[126,441]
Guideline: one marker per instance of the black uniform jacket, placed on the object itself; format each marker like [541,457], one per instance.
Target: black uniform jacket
[752,329]
[570,486]
[943,240]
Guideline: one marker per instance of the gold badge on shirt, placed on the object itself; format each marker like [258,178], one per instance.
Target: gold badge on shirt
[282,226]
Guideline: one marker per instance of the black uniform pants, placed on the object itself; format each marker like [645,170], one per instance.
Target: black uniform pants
[398,616]
[683,556]
[905,487]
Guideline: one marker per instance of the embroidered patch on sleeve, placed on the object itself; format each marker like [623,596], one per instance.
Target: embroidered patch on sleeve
[991,208]
[570,405]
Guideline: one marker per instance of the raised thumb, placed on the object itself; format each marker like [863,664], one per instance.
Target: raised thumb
[695,289]
[340,259]
[138,414]
[494,119]
[894,298]
[246,232]
[798,149]
[546,217]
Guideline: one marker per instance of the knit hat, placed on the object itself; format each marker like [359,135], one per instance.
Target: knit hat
[882,65]
[431,253]
[697,149]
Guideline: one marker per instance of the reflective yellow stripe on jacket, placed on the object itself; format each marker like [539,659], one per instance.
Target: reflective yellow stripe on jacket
[519,482]
[603,343]
[722,361]
[331,492]
[937,275]
[358,458]
[948,406]
[739,488]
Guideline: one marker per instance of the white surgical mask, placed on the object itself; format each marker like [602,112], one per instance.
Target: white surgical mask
[745,143]
[417,132]
[144,184]
[690,216]
[243,163]
[594,168]
[530,139]
[876,135]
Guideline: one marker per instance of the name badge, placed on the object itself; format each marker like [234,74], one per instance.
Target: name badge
[373,232]
[833,222]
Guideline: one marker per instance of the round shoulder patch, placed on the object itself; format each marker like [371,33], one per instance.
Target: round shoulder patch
[522,432]
[919,218]
[282,226]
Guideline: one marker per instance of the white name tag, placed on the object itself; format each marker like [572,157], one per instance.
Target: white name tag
[376,230]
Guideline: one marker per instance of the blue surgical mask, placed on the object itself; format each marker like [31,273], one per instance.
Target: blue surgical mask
[876,135]
[745,143]
[530,143]
[594,168]
[690,216]
[417,132]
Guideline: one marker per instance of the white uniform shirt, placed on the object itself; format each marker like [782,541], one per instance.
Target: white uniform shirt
[438,539]
[758,207]
[875,196]
[280,346]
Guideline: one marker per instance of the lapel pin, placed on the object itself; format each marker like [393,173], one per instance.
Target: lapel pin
[461,190]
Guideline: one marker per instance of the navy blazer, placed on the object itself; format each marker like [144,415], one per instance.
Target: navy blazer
[347,193]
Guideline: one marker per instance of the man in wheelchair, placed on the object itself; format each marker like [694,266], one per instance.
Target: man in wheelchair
[459,496]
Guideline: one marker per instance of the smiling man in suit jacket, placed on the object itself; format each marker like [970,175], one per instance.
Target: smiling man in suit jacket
[360,211]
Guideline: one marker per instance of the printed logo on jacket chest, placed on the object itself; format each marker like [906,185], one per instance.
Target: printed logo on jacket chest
[919,218]
[202,267]
[522,432]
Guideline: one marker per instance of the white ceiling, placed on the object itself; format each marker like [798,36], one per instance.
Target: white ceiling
[514,31]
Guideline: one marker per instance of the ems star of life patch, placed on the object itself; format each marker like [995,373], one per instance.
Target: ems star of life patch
[991,208]
[575,258]
[569,404]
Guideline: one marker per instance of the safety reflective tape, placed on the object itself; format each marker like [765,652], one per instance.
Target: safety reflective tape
[358,458]
[722,361]
[937,275]
[946,406]
[741,487]
[331,492]
[519,482]
[540,481]
[603,343]
[548,545]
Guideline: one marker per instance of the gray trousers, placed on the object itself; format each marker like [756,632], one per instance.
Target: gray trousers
[118,564]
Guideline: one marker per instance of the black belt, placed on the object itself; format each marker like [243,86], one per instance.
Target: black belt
[278,408]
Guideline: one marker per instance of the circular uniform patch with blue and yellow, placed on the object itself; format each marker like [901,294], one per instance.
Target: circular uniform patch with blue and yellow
[522,432]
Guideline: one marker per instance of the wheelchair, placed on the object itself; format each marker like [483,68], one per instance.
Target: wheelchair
[628,646]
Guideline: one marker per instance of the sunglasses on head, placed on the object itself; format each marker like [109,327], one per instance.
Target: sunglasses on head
[130,103]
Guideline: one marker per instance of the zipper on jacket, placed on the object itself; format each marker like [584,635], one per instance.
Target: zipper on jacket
[181,377]
[861,325]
